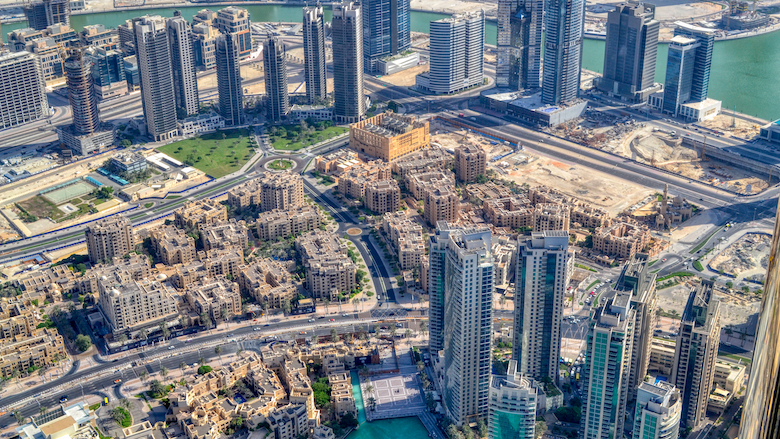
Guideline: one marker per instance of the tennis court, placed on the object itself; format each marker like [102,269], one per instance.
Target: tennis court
[69,192]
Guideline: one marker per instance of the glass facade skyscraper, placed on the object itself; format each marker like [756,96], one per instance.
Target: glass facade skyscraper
[519,43]
[679,72]
[386,30]
[564,27]
[513,401]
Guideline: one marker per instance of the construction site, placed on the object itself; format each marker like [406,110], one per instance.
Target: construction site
[747,258]
[612,194]
[666,150]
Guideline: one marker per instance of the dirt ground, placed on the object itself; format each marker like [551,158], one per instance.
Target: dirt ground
[747,257]
[254,71]
[406,77]
[731,126]
[735,309]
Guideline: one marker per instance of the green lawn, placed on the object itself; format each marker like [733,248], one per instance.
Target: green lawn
[280,165]
[286,137]
[213,154]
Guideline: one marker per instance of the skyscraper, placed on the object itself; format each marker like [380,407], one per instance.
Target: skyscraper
[455,54]
[233,20]
[22,89]
[680,63]
[637,280]
[109,237]
[630,52]
[43,13]
[761,415]
[231,93]
[347,37]
[275,65]
[519,43]
[657,413]
[314,54]
[437,263]
[108,72]
[564,26]
[185,81]
[154,64]
[468,324]
[701,72]
[543,271]
[696,352]
[81,93]
[512,412]
[606,370]
[386,30]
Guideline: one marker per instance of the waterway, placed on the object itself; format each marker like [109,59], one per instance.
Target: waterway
[406,428]
[742,70]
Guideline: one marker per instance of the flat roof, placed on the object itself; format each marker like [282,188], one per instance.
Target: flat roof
[693,27]
[680,39]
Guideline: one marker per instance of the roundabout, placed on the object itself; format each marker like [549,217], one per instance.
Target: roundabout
[354,231]
[280,165]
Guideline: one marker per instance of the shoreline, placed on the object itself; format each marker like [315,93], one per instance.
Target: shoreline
[762,31]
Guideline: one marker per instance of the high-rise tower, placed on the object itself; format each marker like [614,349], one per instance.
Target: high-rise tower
[314,54]
[680,63]
[607,367]
[700,82]
[275,65]
[519,44]
[630,52]
[564,27]
[456,57]
[234,20]
[153,52]
[637,280]
[347,37]
[468,324]
[44,13]
[437,258]
[231,93]
[185,80]
[513,400]
[386,30]
[696,352]
[81,93]
[543,271]
[761,415]
[657,413]
[22,89]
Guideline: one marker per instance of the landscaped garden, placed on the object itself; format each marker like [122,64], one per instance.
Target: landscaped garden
[295,137]
[217,154]
[280,165]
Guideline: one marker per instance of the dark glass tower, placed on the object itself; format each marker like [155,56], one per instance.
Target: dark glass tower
[519,43]
[231,95]
[347,36]
[43,13]
[314,54]
[275,65]
[564,26]
[386,30]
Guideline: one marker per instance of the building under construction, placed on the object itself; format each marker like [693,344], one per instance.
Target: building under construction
[43,13]
[86,134]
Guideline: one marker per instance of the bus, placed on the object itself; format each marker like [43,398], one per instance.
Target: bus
[105,400]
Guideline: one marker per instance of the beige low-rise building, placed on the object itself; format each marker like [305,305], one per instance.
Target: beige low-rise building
[336,162]
[441,204]
[353,182]
[136,267]
[281,190]
[470,163]
[245,195]
[50,282]
[513,212]
[224,235]
[40,349]
[621,239]
[323,432]
[589,217]
[729,376]
[428,159]
[289,422]
[383,196]
[127,304]
[504,259]
[172,245]
[281,223]
[479,193]
[408,238]
[548,216]
[388,136]
[268,282]
[661,356]
[329,271]
[202,212]
[217,297]
[109,237]
[419,182]
[209,264]
[342,399]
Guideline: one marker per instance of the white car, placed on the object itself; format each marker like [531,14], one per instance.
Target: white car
[171,347]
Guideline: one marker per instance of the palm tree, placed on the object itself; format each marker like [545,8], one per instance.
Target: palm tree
[19,417]
[205,320]
[502,301]
[393,331]
[223,314]
[408,335]
[43,409]
[163,372]
[143,376]
[143,334]
[326,302]
[334,335]
[165,331]
[238,352]
[314,338]
[369,389]
[125,403]
[265,311]
[423,328]
[218,351]
[355,303]
[182,367]
[202,361]
[16,374]
[372,403]
[123,339]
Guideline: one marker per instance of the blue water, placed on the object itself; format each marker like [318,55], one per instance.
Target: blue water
[406,428]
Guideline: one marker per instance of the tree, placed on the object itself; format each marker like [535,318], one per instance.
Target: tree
[126,143]
[369,389]
[143,334]
[286,306]
[393,331]
[454,433]
[314,338]
[334,335]
[163,372]
[205,320]
[420,366]
[182,367]
[143,375]
[468,433]
[19,417]
[124,403]
[348,420]
[43,409]
[156,388]
[123,339]
[218,351]
[482,429]
[393,106]
[372,403]
[83,342]
[423,328]
[326,302]
[223,314]
[164,330]
[408,334]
